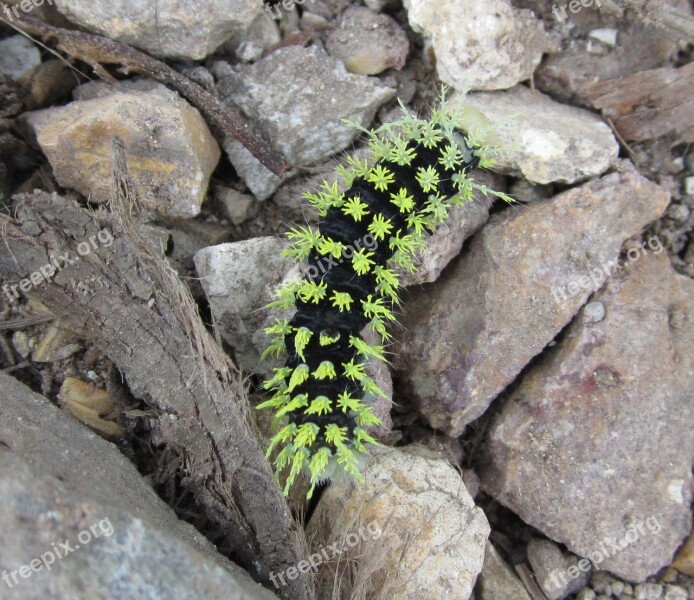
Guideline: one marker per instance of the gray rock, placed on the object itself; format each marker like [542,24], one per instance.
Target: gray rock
[604,420]
[556,574]
[303,119]
[675,592]
[234,205]
[368,43]
[498,580]
[466,337]
[168,28]
[18,55]
[430,535]
[648,591]
[239,279]
[480,45]
[594,312]
[61,484]
[586,594]
[544,141]
[169,149]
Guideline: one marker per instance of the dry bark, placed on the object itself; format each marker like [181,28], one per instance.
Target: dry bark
[96,51]
[130,303]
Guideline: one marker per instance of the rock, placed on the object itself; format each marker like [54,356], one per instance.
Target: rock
[684,561]
[604,419]
[480,45]
[61,484]
[551,142]
[50,83]
[556,574]
[431,536]
[18,56]
[648,591]
[239,279]
[594,312]
[170,151]
[304,120]
[468,335]
[497,579]
[368,43]
[262,35]
[675,592]
[167,28]
[586,594]
[447,239]
[604,35]
[235,206]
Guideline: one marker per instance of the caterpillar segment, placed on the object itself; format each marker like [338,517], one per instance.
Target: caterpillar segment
[418,169]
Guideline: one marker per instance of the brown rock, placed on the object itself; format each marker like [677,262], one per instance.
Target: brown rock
[466,337]
[170,151]
[594,447]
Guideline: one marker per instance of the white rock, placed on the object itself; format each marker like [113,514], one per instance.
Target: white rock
[184,29]
[542,140]
[606,36]
[18,56]
[480,45]
[428,536]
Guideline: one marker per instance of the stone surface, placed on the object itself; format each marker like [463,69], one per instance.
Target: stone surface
[447,239]
[431,535]
[368,43]
[684,561]
[480,45]
[57,481]
[234,205]
[545,141]
[303,117]
[498,580]
[556,574]
[169,149]
[604,420]
[465,338]
[168,28]
[18,56]
[239,279]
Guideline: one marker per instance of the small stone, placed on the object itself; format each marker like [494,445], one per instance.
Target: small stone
[368,43]
[617,588]
[601,582]
[684,561]
[594,312]
[18,56]
[235,206]
[606,36]
[677,165]
[675,592]
[22,343]
[498,580]
[586,594]
[678,212]
[648,591]
[556,574]
[261,35]
[689,186]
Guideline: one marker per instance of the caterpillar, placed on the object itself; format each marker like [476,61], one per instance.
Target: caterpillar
[417,169]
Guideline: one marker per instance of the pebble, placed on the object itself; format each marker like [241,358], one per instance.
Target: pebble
[606,36]
[648,591]
[689,186]
[594,312]
[18,56]
[675,592]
